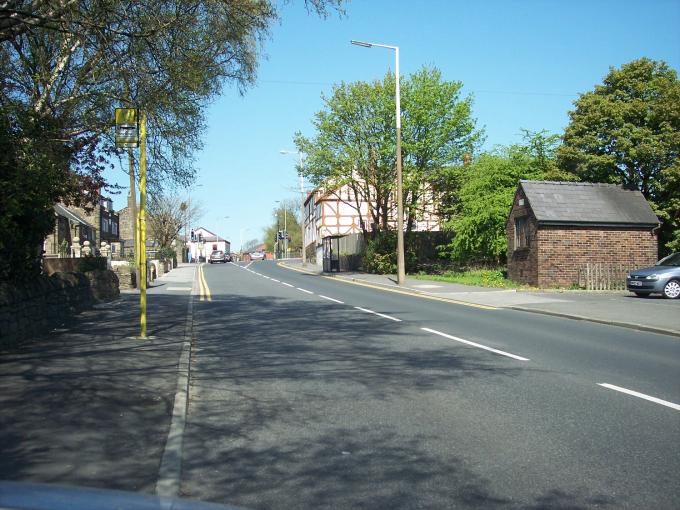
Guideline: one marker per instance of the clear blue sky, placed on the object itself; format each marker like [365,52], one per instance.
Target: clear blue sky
[525,62]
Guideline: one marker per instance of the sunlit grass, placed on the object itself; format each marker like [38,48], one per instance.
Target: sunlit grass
[494,278]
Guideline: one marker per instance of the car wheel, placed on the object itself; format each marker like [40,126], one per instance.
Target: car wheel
[642,294]
[672,289]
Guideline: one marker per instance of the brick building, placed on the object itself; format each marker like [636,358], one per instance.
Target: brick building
[555,228]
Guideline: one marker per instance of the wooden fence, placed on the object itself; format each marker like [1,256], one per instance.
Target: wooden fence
[602,276]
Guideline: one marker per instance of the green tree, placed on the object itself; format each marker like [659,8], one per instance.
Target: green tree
[32,169]
[438,132]
[284,215]
[355,138]
[485,190]
[65,65]
[168,57]
[627,131]
[354,145]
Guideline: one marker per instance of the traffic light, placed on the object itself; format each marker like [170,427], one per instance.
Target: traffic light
[193,235]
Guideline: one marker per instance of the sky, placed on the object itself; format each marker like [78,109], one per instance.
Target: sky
[523,61]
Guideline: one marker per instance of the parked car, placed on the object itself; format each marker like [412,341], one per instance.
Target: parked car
[663,278]
[217,256]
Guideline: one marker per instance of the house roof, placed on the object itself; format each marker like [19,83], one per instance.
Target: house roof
[60,210]
[575,203]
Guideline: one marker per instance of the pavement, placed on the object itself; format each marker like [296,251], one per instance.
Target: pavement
[618,308]
[91,404]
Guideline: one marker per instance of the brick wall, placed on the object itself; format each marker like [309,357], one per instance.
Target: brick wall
[523,262]
[562,250]
[555,253]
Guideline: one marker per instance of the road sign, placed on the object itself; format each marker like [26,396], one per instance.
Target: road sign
[127,127]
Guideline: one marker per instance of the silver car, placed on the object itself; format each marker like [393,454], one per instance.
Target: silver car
[663,278]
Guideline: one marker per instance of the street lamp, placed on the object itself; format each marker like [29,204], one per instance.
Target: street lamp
[302,202]
[401,269]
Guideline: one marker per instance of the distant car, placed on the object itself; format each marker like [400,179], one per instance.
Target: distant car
[663,278]
[217,256]
[257,255]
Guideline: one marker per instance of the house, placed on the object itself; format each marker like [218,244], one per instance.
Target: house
[334,213]
[106,221]
[68,225]
[555,229]
[203,242]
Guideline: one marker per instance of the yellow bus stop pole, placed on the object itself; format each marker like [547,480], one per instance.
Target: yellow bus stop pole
[142,224]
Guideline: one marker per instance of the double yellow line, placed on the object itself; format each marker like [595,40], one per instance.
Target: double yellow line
[203,289]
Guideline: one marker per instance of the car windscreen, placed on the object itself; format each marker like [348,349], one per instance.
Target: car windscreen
[671,260]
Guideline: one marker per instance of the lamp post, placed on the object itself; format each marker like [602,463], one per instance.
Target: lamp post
[401,266]
[302,202]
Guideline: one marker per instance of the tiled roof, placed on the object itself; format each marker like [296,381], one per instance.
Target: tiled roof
[67,213]
[590,203]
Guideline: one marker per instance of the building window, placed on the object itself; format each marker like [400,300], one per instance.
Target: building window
[521,233]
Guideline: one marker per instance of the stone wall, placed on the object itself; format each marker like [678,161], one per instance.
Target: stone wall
[66,265]
[125,274]
[37,306]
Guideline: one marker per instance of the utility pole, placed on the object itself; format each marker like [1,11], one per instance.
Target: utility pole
[131,132]
[401,266]
[142,224]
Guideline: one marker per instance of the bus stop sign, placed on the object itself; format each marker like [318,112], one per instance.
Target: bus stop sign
[127,127]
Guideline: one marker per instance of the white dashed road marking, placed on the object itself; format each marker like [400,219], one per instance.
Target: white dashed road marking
[379,314]
[474,344]
[303,290]
[641,395]
[331,299]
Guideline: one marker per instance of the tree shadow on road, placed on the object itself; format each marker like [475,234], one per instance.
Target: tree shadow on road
[89,404]
[281,402]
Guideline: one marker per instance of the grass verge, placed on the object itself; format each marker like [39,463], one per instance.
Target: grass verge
[494,278]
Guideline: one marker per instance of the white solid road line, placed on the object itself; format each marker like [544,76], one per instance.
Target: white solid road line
[379,314]
[287,284]
[468,342]
[641,395]
[303,290]
[178,288]
[275,280]
[331,299]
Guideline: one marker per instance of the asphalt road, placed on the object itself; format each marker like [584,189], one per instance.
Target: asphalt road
[308,392]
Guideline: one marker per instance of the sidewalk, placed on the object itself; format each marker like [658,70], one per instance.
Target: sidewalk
[90,404]
[619,308]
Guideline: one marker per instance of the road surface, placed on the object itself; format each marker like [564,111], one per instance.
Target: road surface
[308,392]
